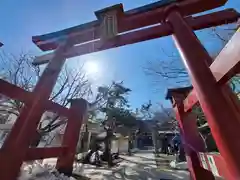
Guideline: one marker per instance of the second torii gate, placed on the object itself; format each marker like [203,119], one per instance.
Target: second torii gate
[111,30]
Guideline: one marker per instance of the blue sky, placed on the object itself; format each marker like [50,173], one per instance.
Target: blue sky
[20,20]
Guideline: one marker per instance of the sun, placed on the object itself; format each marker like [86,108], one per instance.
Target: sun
[91,67]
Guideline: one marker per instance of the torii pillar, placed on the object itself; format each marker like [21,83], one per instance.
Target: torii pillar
[222,118]
[191,139]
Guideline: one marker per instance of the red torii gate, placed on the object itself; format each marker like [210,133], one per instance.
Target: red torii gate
[169,17]
[183,100]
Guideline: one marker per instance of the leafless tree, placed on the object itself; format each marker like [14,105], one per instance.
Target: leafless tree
[171,71]
[18,70]
[170,68]
[224,33]
[71,84]
[169,113]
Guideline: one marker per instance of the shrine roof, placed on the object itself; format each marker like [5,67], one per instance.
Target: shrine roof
[177,90]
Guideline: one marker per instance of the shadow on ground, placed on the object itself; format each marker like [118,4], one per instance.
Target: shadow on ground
[139,172]
[132,170]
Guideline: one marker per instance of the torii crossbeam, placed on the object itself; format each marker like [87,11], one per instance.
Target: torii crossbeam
[87,36]
[129,20]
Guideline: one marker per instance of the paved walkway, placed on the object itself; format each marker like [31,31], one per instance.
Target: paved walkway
[141,166]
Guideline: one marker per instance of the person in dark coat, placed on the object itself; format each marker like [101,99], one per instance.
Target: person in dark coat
[165,144]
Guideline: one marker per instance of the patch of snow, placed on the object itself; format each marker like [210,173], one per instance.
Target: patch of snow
[80,155]
[93,157]
[180,165]
[37,171]
[50,162]
[173,164]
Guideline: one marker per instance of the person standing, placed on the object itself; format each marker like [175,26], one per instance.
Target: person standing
[165,144]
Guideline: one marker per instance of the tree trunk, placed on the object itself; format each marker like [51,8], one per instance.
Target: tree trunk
[155,141]
[107,152]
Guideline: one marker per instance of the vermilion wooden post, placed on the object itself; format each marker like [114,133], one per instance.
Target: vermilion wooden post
[192,142]
[77,116]
[222,119]
[17,143]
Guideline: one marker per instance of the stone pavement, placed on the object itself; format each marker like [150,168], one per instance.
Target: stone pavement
[140,166]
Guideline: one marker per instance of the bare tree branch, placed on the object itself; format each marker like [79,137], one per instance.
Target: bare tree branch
[169,68]
[18,70]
